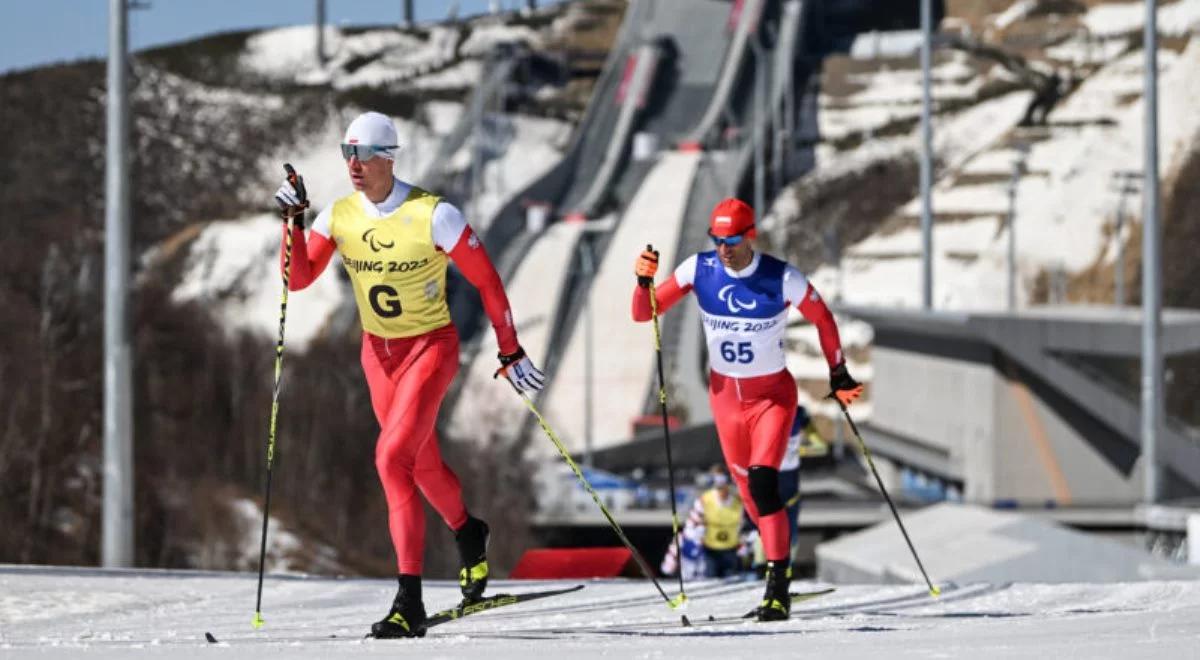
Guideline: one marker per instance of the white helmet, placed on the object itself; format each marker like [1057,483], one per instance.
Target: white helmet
[373,129]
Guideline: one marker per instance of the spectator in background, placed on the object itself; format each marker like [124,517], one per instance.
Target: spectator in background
[710,533]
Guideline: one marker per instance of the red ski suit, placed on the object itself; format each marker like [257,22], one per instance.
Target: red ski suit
[753,414]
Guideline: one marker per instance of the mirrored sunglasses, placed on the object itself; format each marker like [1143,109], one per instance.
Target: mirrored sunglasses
[365,152]
[727,240]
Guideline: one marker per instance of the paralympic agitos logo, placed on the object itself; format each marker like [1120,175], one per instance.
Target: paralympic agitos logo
[376,244]
[725,295]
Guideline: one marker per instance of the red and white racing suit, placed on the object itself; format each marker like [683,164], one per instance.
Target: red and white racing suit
[753,396]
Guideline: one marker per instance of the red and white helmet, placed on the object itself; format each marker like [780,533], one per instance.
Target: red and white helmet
[732,217]
[374,129]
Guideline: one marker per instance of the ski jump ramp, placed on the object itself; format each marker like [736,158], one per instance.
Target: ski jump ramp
[623,351]
[718,177]
[534,293]
[591,172]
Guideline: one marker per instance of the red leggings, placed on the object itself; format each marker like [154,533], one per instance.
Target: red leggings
[408,379]
[753,418]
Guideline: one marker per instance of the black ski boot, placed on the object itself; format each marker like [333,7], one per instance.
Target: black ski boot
[777,603]
[472,539]
[407,616]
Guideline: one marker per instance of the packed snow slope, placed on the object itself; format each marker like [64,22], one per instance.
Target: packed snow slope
[86,613]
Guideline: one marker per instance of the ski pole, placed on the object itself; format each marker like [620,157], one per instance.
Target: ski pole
[662,400]
[933,591]
[673,603]
[257,622]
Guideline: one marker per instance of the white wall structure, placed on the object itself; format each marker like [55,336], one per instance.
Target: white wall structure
[964,544]
[1023,409]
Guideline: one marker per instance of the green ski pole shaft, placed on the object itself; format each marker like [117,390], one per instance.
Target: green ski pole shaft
[272,427]
[662,400]
[637,556]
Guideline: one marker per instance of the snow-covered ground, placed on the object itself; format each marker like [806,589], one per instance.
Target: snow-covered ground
[87,613]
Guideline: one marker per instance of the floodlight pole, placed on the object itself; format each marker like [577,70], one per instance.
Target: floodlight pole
[926,157]
[1126,182]
[1152,367]
[1018,169]
[116,545]
[321,33]
[760,123]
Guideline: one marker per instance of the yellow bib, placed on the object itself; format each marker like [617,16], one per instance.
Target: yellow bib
[721,521]
[398,274]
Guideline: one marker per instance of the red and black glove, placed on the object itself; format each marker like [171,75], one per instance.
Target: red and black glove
[843,387]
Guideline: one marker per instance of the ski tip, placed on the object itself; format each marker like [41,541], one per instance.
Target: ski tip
[209,636]
[258,621]
[287,167]
[935,592]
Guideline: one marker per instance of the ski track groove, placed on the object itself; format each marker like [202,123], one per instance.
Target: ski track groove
[718,589]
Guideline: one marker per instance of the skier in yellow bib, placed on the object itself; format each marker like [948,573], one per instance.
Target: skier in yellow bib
[395,241]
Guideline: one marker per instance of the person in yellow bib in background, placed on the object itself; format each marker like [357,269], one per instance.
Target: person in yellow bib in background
[710,534]
[395,241]
[721,509]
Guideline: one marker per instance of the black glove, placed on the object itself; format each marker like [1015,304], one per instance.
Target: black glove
[291,197]
[844,388]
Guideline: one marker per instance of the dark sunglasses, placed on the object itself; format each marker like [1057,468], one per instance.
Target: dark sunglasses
[365,152]
[727,240]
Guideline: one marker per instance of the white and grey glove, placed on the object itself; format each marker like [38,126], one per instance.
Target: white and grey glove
[292,197]
[519,370]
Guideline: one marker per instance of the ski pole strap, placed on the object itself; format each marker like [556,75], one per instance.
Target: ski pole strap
[562,451]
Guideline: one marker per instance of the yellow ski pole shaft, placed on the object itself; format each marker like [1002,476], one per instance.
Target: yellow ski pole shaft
[637,556]
[933,591]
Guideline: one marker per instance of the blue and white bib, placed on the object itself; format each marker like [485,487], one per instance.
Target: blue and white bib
[744,312]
